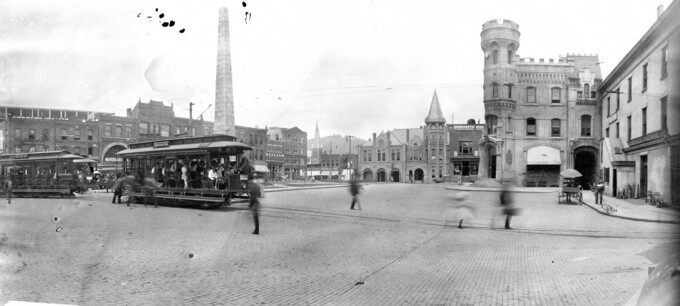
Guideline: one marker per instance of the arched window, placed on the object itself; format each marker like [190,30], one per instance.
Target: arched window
[531,95]
[381,143]
[585,126]
[556,92]
[494,90]
[495,56]
[531,127]
[555,127]
[586,90]
[510,56]
[491,123]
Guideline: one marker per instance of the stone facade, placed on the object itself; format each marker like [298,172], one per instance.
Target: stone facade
[224,95]
[641,114]
[540,115]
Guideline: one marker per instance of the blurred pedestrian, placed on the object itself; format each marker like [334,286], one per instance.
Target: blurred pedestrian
[118,187]
[255,193]
[506,203]
[354,190]
[599,191]
[8,187]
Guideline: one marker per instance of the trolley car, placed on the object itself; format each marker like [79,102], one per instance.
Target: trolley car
[42,174]
[162,161]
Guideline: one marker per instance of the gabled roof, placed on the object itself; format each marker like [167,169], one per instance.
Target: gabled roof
[435,114]
[398,136]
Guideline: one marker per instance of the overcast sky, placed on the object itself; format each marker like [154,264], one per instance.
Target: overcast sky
[357,67]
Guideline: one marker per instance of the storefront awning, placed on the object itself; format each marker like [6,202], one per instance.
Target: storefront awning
[543,156]
[326,173]
[261,168]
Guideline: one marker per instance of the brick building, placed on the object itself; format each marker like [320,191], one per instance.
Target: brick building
[401,154]
[541,116]
[464,147]
[293,143]
[641,109]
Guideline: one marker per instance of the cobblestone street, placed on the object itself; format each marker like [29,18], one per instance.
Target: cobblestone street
[400,249]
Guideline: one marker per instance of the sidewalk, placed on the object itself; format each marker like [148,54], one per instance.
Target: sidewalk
[633,209]
[468,187]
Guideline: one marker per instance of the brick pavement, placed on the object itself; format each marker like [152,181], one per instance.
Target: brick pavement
[313,250]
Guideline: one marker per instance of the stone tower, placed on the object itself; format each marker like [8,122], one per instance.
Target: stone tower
[224,95]
[500,41]
[435,140]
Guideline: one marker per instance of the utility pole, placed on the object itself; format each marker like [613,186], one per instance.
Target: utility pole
[349,138]
[191,118]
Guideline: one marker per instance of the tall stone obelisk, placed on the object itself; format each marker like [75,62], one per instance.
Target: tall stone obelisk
[224,94]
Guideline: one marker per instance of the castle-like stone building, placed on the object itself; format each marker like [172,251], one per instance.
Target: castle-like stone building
[540,114]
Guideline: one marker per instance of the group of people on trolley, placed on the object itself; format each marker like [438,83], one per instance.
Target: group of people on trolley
[193,173]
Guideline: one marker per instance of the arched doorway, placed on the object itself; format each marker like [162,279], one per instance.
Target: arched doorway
[395,176]
[491,161]
[368,175]
[109,156]
[418,175]
[585,161]
[381,175]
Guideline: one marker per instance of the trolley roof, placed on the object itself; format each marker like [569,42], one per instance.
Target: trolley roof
[34,156]
[163,147]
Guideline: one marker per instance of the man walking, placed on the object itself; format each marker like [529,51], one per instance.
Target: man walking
[506,203]
[354,189]
[254,197]
[599,192]
[118,187]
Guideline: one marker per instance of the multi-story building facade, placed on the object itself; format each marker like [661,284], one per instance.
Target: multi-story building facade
[256,138]
[464,150]
[24,129]
[333,166]
[294,145]
[641,113]
[403,154]
[540,115]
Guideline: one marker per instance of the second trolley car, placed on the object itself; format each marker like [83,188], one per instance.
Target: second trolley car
[182,167]
[42,174]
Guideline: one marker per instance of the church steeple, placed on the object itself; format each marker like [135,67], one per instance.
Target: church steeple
[317,138]
[435,115]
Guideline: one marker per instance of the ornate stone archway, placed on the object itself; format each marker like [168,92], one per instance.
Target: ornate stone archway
[109,147]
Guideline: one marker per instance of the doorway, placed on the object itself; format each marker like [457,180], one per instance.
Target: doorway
[643,175]
[395,176]
[491,156]
[614,183]
[585,162]
[418,175]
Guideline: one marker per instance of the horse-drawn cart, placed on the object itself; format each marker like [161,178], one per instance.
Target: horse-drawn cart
[570,188]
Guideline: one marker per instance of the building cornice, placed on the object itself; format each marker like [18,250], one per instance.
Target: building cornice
[670,18]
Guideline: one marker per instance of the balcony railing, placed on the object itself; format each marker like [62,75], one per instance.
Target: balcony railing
[648,137]
[586,101]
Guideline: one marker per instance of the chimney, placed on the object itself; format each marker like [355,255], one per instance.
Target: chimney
[374,143]
[659,11]
[224,94]
[407,135]
[129,112]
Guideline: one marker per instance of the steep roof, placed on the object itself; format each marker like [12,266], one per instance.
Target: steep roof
[435,114]
[398,136]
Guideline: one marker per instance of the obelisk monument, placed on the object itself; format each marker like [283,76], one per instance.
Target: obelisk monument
[224,95]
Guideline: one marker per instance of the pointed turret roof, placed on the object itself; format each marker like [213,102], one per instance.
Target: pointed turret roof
[435,114]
